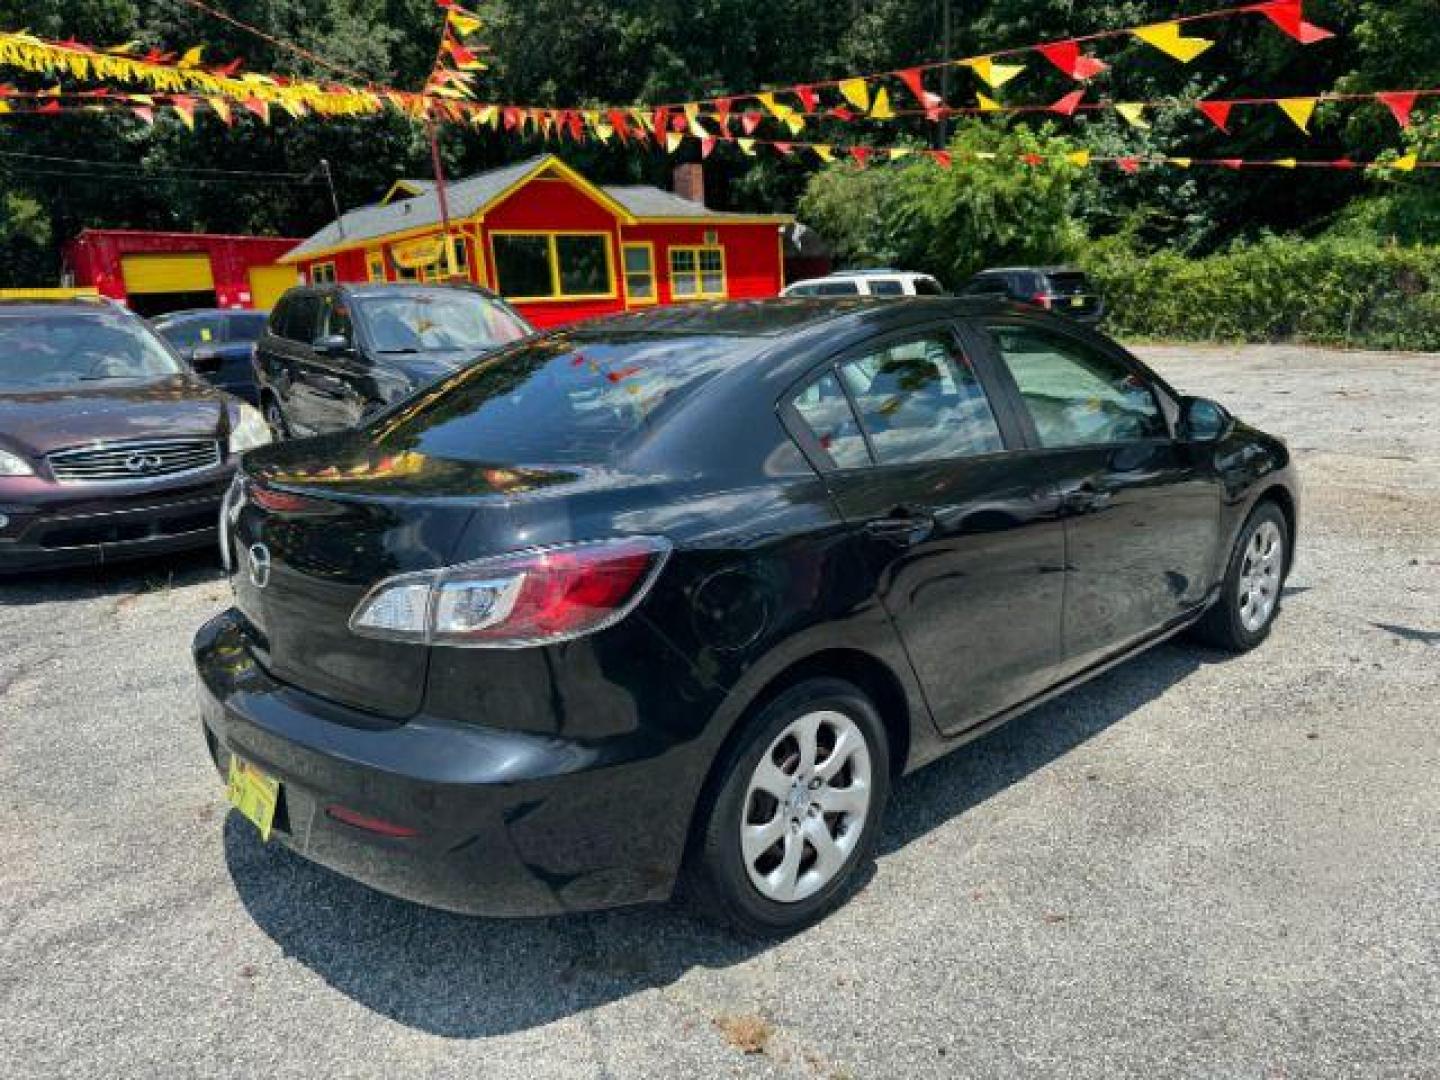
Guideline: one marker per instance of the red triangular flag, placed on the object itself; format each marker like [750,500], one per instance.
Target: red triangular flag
[911,78]
[1066,56]
[750,120]
[706,146]
[1231,163]
[228,70]
[1067,105]
[1289,16]
[782,147]
[722,114]
[1218,112]
[1031,158]
[621,123]
[49,107]
[808,97]
[662,123]
[1401,105]
[1128,164]
[860,154]
[511,116]
[942,158]
[144,112]
[1343,163]
[842,113]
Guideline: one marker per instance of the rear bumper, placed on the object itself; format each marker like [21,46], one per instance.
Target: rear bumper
[40,536]
[508,823]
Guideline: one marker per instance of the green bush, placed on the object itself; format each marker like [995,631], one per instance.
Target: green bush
[1329,291]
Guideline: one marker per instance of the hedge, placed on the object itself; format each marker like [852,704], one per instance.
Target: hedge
[1329,291]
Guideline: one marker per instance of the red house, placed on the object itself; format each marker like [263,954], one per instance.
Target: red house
[557,246]
[155,272]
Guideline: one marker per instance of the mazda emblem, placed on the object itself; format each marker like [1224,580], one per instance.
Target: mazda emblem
[259,556]
[143,463]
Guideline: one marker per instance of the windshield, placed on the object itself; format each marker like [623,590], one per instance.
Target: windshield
[567,398]
[442,320]
[64,347]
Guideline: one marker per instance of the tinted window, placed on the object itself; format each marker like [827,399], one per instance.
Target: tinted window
[584,269]
[1076,395]
[920,401]
[522,265]
[800,290]
[837,288]
[1068,284]
[438,320]
[568,398]
[926,286]
[66,348]
[337,319]
[190,331]
[302,316]
[827,413]
[246,325]
[886,287]
[987,286]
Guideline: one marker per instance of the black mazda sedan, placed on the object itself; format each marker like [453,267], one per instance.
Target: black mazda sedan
[677,595]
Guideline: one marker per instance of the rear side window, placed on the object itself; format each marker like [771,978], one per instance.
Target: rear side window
[569,398]
[301,318]
[827,413]
[837,288]
[928,286]
[920,400]
[246,325]
[987,286]
[886,287]
[1077,395]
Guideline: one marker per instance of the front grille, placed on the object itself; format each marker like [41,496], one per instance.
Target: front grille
[140,459]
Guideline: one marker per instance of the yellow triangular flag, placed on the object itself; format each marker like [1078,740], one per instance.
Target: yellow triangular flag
[988,104]
[221,107]
[747,146]
[984,155]
[898,152]
[824,153]
[795,122]
[1179,162]
[1168,38]
[857,92]
[1079,158]
[1408,163]
[1299,110]
[464,25]
[1285,163]
[994,75]
[191,59]
[881,110]
[1134,114]
[673,139]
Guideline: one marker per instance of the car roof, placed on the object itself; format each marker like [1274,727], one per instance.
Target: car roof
[37,307]
[1030,270]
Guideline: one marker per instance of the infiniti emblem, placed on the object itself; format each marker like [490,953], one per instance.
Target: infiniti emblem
[143,463]
[259,556]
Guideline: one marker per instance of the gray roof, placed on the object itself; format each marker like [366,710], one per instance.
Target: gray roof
[470,196]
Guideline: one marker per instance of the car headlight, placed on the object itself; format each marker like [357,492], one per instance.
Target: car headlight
[250,431]
[14,465]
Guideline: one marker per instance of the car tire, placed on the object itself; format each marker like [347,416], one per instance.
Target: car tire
[831,797]
[1254,577]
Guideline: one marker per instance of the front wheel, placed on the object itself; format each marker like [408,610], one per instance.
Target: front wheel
[797,811]
[1250,594]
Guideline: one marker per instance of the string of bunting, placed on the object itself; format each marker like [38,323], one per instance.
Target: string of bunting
[458,60]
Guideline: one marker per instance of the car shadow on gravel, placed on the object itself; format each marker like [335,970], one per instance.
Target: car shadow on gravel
[117,579]
[464,977]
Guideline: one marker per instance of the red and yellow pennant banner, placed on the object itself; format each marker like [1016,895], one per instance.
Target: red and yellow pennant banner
[458,60]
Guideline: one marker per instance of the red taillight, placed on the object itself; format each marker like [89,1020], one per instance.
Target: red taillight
[535,597]
[371,825]
[1043,299]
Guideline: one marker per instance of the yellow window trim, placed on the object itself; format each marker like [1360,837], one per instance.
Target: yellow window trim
[654,297]
[699,277]
[375,261]
[556,296]
[316,267]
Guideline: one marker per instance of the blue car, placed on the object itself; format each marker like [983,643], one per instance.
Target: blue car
[217,344]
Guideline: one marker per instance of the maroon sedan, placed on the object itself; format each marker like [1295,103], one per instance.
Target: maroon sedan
[110,447]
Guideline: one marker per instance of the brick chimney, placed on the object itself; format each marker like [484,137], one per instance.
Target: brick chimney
[688,181]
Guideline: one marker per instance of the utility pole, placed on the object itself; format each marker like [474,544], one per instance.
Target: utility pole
[947,33]
[324,169]
[451,270]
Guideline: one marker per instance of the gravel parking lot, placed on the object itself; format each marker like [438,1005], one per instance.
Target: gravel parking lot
[1195,866]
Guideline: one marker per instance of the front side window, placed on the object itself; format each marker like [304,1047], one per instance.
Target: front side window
[337,320]
[1077,395]
[552,266]
[827,413]
[837,288]
[640,273]
[437,320]
[67,348]
[920,400]
[302,317]
[697,273]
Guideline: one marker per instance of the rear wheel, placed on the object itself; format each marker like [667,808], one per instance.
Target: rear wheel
[1250,596]
[797,811]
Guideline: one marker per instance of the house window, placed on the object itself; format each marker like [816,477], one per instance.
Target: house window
[640,273]
[375,265]
[697,273]
[439,270]
[553,266]
[322,273]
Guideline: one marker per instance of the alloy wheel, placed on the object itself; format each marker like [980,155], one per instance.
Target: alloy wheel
[806,806]
[1260,576]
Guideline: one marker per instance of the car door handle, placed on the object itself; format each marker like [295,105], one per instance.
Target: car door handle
[902,524]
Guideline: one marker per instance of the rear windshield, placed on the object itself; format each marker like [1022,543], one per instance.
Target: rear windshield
[438,320]
[65,348]
[567,398]
[1068,284]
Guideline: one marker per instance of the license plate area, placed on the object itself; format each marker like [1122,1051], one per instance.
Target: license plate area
[254,793]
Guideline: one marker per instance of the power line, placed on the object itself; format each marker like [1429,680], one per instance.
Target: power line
[160,179]
[279,43]
[175,170]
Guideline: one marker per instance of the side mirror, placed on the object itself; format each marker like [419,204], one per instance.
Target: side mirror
[332,345]
[206,359]
[1203,420]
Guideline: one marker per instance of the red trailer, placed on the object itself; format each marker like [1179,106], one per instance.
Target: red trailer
[155,272]
[557,246]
